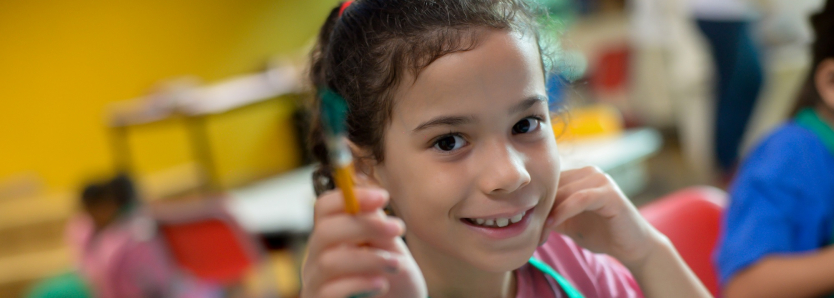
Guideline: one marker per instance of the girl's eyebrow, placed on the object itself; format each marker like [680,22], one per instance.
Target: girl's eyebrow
[528,102]
[461,120]
[443,121]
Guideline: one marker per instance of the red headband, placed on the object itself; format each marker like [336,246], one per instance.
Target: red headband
[344,6]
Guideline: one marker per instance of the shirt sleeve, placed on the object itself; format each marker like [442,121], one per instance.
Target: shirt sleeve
[775,204]
[594,275]
[77,235]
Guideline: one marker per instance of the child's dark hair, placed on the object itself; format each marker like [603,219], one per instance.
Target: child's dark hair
[93,194]
[120,189]
[822,48]
[367,51]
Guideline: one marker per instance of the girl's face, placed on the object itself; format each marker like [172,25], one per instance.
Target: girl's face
[470,158]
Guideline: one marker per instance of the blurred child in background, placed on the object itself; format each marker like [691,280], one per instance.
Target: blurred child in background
[726,26]
[780,223]
[115,245]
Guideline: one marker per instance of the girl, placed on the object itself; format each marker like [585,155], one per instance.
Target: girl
[448,118]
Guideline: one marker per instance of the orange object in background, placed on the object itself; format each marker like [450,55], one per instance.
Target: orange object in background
[589,121]
[691,219]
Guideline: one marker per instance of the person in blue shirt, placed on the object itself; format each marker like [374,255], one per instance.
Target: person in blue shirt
[777,230]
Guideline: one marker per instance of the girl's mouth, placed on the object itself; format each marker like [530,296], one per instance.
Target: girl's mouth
[500,227]
[496,222]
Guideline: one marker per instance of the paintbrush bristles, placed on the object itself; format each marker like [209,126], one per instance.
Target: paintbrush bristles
[334,111]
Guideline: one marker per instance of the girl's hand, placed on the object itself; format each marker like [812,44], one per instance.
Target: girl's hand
[592,210]
[359,255]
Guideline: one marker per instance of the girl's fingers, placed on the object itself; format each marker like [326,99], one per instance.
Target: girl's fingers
[569,176]
[332,202]
[359,286]
[591,180]
[584,200]
[355,261]
[363,228]
[571,200]
[588,178]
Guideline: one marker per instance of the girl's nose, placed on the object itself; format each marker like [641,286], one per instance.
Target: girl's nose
[504,169]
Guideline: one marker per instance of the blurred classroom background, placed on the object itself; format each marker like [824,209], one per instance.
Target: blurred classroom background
[201,104]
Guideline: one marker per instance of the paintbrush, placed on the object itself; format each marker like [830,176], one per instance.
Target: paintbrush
[334,111]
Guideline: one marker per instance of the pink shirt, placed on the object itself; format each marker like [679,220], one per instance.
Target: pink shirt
[122,261]
[594,275]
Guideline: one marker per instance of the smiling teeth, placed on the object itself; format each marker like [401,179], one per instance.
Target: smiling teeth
[502,222]
[498,222]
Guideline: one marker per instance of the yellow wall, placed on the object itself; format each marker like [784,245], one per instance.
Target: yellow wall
[62,62]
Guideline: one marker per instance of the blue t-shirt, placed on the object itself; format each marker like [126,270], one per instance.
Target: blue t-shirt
[782,200]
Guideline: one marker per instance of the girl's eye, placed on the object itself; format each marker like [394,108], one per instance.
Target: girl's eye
[449,143]
[526,125]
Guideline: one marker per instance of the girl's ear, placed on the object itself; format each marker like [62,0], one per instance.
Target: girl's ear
[363,166]
[824,81]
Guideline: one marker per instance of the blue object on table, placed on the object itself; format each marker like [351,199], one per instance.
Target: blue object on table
[555,91]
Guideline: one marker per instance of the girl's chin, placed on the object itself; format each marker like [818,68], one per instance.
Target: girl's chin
[503,261]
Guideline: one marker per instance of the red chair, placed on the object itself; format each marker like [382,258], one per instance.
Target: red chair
[206,242]
[691,219]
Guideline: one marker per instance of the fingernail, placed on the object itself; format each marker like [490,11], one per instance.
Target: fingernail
[549,222]
[365,294]
[377,289]
[392,264]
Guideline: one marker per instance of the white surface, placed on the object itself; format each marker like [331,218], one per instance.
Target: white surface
[280,204]
[722,9]
[186,97]
[285,203]
[241,91]
[610,152]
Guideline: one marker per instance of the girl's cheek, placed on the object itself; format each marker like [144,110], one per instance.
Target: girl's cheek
[546,162]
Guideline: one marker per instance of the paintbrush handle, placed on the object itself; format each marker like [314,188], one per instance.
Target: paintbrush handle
[343,177]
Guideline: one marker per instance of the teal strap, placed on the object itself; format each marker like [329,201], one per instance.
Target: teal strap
[809,119]
[569,289]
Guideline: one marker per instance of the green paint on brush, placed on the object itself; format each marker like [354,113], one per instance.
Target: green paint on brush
[334,111]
